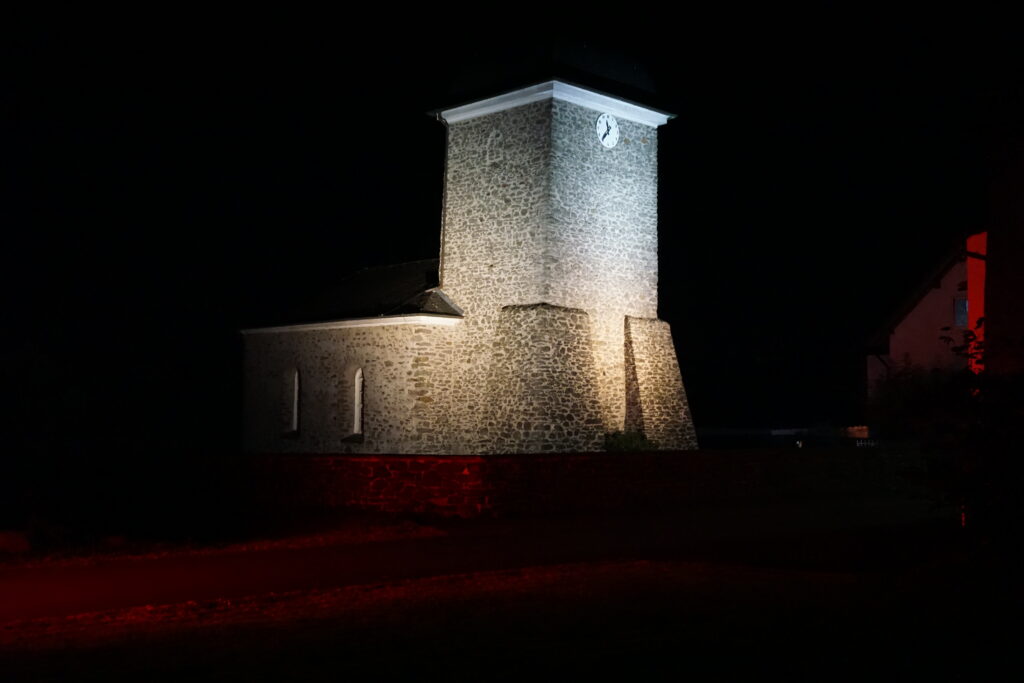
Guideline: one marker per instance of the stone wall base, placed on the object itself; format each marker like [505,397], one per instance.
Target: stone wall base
[656,404]
[542,385]
[471,486]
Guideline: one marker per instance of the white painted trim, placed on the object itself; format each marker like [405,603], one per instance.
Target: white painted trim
[612,105]
[411,319]
[516,98]
[559,91]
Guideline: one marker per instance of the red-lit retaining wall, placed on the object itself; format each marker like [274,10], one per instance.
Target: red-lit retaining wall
[469,486]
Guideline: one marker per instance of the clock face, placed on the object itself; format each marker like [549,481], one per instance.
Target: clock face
[607,130]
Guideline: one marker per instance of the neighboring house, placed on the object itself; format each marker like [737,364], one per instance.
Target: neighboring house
[537,329]
[1004,350]
[945,314]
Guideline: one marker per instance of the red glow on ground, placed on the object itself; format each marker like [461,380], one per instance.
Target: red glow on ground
[977,249]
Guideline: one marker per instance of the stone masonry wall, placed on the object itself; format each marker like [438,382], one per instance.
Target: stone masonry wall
[496,206]
[538,211]
[542,385]
[661,411]
[602,253]
[405,388]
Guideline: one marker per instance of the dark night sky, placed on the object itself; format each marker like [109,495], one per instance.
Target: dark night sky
[169,186]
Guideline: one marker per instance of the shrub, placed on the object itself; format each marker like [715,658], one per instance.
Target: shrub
[628,441]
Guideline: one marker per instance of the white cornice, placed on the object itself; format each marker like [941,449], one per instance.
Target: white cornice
[558,91]
[380,321]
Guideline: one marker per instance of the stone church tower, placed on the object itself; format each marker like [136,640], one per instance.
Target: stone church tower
[550,246]
[540,332]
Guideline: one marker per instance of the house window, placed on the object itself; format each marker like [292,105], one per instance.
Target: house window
[357,403]
[960,311]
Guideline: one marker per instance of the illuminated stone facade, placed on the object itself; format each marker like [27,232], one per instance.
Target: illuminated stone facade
[405,380]
[549,255]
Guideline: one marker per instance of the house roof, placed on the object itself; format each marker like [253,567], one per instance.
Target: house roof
[393,290]
[878,342]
